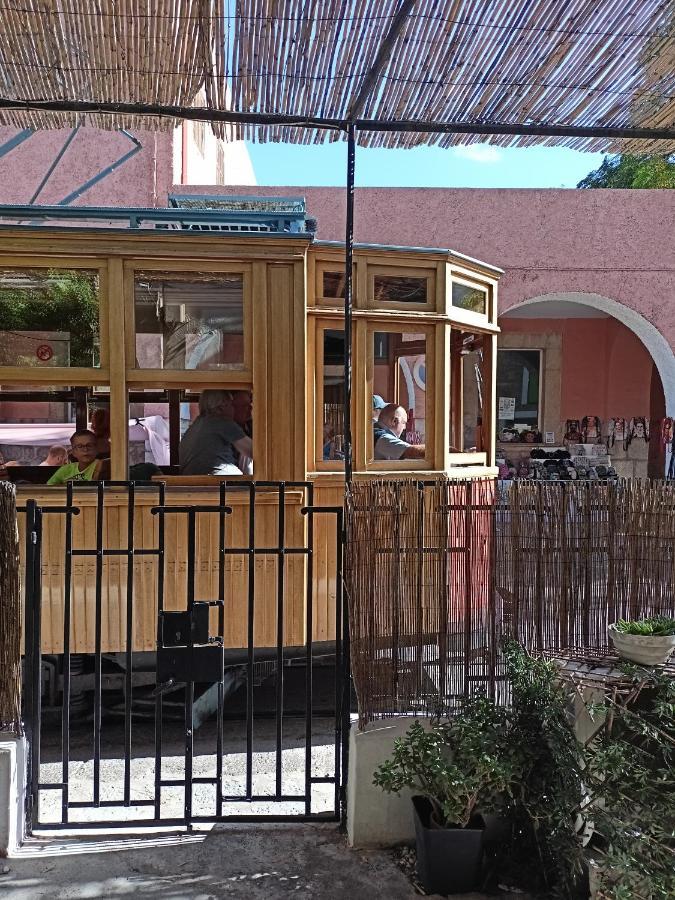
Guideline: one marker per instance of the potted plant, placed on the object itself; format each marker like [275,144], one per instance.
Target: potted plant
[647,641]
[458,772]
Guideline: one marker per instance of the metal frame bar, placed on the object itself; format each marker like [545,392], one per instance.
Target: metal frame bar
[33,656]
[349,303]
[202,114]
[136,215]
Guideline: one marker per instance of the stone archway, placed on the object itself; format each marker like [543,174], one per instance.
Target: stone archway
[654,342]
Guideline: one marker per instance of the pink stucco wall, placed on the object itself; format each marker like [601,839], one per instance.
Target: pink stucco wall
[606,370]
[615,243]
[141,181]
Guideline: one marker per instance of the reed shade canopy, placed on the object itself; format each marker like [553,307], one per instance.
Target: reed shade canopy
[390,66]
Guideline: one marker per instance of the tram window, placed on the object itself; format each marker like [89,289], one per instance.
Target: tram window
[189,321]
[411,289]
[333,284]
[49,317]
[400,377]
[472,393]
[36,424]
[330,414]
[329,283]
[468,297]
[158,421]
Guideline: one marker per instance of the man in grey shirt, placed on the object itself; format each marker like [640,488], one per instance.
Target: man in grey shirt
[388,443]
[214,442]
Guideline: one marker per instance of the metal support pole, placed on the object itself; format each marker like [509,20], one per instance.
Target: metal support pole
[349,268]
[342,661]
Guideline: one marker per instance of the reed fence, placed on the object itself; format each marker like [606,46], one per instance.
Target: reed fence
[437,572]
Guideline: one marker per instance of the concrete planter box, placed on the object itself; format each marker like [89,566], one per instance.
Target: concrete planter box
[646,649]
[12,793]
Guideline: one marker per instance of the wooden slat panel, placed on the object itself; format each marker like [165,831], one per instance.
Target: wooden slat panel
[114,580]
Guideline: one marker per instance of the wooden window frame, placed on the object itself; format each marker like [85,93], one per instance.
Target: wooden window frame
[315,279]
[465,316]
[315,461]
[77,376]
[399,326]
[426,269]
[201,378]
[220,386]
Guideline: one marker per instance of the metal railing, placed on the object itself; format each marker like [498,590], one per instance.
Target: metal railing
[188,662]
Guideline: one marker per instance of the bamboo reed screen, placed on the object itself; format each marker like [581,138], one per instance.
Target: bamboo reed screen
[574,557]
[438,571]
[422,623]
[10,614]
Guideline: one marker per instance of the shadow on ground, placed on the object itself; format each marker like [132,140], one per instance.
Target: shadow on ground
[265,860]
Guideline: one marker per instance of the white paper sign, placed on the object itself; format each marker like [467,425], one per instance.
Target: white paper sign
[549,437]
[507,408]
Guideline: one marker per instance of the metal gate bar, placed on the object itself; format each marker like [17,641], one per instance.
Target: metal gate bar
[281,551]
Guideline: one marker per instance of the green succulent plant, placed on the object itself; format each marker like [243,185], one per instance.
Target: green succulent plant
[657,626]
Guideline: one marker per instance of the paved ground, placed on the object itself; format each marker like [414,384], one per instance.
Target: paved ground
[303,861]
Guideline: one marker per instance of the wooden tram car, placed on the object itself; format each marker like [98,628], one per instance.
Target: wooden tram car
[151,316]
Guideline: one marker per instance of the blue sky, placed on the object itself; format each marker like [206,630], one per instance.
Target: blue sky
[477,165]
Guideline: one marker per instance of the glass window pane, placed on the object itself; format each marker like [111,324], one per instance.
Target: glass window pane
[472,393]
[148,431]
[189,321]
[333,285]
[518,380]
[472,298]
[400,288]
[36,425]
[49,317]
[216,433]
[399,381]
[153,441]
[333,396]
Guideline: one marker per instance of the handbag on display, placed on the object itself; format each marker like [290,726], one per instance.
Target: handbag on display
[638,429]
[572,431]
[616,431]
[591,430]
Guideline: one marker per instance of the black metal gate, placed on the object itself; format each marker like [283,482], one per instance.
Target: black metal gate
[196,731]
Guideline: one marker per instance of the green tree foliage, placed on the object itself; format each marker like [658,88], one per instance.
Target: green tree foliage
[65,301]
[627,171]
[631,775]
[545,852]
[459,766]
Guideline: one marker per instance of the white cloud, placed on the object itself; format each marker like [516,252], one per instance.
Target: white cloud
[480,153]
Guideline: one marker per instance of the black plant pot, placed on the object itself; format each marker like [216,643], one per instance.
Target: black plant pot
[448,859]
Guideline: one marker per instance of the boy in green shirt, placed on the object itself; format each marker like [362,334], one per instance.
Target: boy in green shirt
[87,468]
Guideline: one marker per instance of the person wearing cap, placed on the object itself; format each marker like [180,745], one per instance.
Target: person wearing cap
[378,406]
[389,444]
